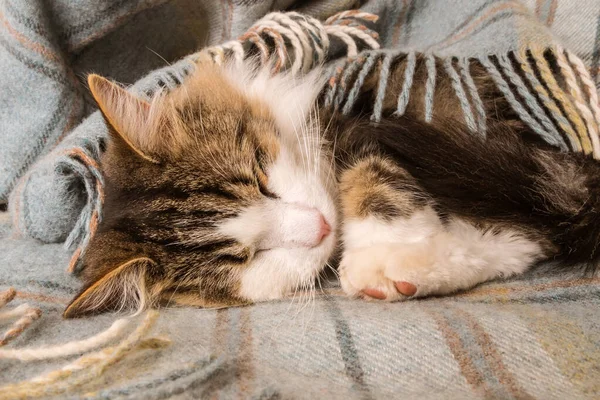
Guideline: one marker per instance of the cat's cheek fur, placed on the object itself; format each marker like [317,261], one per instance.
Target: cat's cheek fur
[298,176]
[437,258]
[276,272]
[279,272]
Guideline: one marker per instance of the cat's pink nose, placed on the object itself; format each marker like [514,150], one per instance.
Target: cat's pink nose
[324,229]
[296,225]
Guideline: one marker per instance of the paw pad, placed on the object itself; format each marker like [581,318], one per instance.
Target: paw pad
[374,293]
[405,288]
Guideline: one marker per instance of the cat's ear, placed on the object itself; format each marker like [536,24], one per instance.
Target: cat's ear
[126,114]
[124,287]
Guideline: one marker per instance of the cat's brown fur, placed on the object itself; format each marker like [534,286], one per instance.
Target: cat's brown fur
[166,189]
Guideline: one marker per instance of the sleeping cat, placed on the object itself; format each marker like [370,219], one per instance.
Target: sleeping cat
[237,188]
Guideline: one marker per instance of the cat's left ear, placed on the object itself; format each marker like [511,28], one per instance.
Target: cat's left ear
[126,114]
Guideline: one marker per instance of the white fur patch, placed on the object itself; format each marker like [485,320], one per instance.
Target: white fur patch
[290,99]
[371,230]
[437,259]
[276,224]
[277,272]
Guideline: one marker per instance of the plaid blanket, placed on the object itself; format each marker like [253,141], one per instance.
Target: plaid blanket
[532,337]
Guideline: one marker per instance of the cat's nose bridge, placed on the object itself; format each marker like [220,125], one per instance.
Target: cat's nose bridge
[296,225]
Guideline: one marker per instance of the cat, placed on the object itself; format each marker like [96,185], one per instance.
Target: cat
[237,187]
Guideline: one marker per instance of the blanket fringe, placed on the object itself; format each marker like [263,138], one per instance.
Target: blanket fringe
[67,349]
[457,84]
[565,114]
[307,38]
[87,367]
[25,313]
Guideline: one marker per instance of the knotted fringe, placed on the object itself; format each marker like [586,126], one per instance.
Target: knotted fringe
[82,161]
[565,114]
[290,41]
[457,84]
[409,73]
[307,38]
[366,67]
[429,87]
[478,104]
[84,369]
[25,315]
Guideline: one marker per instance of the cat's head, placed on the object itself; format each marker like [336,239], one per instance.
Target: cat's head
[217,193]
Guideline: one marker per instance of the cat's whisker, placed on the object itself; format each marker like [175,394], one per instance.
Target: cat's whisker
[308,140]
[304,166]
[307,288]
[311,303]
[318,279]
[317,137]
[321,275]
[334,270]
[304,131]
[159,56]
[332,160]
[332,147]
[297,284]
[306,147]
[305,294]
[174,292]
[298,306]
[314,303]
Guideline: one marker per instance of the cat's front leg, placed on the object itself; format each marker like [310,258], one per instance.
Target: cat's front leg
[396,246]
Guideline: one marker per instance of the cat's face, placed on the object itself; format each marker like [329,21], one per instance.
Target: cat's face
[219,193]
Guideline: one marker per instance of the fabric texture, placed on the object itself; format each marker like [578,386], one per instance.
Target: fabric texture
[536,336]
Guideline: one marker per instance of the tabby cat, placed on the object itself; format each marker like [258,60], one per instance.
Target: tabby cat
[237,187]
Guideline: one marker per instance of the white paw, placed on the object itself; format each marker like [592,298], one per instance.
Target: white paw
[393,260]
[392,272]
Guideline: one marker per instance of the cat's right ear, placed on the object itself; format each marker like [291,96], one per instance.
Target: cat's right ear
[126,114]
[123,287]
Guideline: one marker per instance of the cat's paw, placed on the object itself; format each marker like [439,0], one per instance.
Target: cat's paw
[391,272]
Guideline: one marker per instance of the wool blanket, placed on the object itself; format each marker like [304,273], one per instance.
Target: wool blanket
[531,337]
